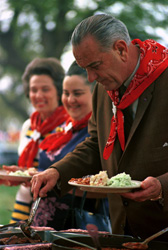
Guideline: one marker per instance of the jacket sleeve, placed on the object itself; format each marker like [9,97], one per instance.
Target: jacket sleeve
[84,160]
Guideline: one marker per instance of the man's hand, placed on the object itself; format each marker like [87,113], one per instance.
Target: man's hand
[151,188]
[47,179]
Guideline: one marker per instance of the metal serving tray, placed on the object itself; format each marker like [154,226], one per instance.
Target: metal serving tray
[45,235]
[113,241]
[52,237]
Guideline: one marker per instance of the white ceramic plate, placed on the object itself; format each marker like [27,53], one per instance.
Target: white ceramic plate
[107,189]
[5,176]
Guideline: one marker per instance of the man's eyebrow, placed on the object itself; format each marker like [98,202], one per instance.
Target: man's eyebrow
[93,64]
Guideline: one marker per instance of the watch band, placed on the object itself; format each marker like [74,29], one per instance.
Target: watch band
[160,196]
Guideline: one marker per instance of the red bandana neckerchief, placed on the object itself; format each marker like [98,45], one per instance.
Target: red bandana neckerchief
[56,140]
[153,61]
[40,128]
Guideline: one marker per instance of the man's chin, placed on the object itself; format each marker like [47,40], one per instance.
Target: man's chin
[109,86]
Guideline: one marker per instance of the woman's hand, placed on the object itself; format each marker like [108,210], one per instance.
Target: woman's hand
[12,168]
[10,183]
[47,179]
[151,188]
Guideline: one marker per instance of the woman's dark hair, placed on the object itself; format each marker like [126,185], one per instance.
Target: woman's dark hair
[44,66]
[74,69]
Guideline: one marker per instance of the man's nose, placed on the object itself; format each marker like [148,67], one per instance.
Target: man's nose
[92,76]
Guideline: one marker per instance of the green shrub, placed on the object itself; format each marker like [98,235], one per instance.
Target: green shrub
[7,199]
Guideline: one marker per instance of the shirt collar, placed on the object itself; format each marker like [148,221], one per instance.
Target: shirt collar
[127,82]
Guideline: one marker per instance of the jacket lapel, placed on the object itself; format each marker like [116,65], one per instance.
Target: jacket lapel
[143,103]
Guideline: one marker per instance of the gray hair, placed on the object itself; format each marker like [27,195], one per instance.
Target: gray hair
[104,28]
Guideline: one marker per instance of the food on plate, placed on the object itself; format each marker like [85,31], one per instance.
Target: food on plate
[135,245]
[42,228]
[120,180]
[27,173]
[83,181]
[83,231]
[101,179]
[20,173]
[16,240]
[102,248]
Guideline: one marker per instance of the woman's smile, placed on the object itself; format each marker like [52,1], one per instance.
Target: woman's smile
[76,94]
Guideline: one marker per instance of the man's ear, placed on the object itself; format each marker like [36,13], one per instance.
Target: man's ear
[122,49]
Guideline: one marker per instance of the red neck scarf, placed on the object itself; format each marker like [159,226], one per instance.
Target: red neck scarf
[40,128]
[153,61]
[56,140]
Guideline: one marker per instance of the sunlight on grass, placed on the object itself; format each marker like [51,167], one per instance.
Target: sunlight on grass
[7,199]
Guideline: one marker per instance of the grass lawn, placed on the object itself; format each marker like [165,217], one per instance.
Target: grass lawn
[7,199]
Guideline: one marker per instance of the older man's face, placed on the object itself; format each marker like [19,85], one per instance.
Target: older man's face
[106,67]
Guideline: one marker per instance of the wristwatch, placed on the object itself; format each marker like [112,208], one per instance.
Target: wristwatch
[160,196]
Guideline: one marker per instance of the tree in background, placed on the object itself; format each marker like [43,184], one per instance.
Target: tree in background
[30,29]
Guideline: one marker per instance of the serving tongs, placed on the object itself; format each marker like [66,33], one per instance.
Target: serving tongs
[29,232]
[75,242]
[11,225]
[23,222]
[93,232]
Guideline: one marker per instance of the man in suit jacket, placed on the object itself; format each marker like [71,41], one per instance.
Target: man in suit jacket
[128,133]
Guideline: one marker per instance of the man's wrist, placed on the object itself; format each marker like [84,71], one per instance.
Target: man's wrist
[160,196]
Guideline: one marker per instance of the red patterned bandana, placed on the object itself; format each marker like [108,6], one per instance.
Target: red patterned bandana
[56,140]
[40,128]
[153,61]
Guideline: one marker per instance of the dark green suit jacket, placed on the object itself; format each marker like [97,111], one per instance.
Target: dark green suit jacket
[145,155]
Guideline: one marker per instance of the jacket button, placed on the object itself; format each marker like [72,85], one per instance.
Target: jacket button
[125,203]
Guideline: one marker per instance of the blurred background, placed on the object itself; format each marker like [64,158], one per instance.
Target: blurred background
[30,29]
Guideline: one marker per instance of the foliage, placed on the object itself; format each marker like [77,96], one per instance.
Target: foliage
[30,29]
[7,202]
